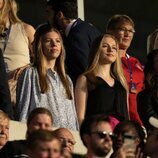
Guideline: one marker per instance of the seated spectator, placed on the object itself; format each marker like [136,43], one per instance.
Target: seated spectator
[46,84]
[96,134]
[67,141]
[147,99]
[43,144]
[4,128]
[39,118]
[151,146]
[129,139]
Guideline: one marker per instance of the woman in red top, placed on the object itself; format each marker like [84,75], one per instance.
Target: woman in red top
[122,27]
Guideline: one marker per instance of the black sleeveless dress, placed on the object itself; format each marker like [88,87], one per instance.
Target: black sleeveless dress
[104,99]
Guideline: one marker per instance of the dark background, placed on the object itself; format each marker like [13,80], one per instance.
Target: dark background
[143,12]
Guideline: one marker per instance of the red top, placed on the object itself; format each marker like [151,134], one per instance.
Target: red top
[137,78]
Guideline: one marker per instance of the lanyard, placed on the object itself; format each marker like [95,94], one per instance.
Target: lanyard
[129,68]
[6,38]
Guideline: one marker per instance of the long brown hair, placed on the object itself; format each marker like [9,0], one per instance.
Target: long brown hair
[8,12]
[116,67]
[40,60]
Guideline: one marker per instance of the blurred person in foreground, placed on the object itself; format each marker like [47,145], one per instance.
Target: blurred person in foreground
[39,118]
[129,140]
[4,128]
[43,144]
[67,141]
[151,147]
[96,134]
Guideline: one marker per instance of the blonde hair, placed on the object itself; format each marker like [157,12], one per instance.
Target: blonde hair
[3,116]
[8,12]
[40,60]
[116,67]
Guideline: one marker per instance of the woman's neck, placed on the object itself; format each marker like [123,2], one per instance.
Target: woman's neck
[51,64]
[104,71]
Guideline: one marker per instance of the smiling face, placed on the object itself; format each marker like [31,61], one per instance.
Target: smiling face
[4,131]
[51,45]
[124,32]
[108,50]
[41,121]
[67,141]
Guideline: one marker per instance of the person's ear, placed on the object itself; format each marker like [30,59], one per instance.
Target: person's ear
[137,141]
[60,15]
[86,138]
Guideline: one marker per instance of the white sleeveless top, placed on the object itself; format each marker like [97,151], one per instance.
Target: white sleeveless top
[16,53]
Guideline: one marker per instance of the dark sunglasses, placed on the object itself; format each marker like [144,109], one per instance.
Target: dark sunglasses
[103,134]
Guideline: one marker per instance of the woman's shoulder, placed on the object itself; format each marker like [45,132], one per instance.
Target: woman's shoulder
[82,79]
[28,27]
[29,71]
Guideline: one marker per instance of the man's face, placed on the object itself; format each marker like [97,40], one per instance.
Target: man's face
[67,141]
[100,144]
[51,17]
[47,149]
[4,131]
[151,147]
[124,32]
[41,121]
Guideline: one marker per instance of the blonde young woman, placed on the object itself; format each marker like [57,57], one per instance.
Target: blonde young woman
[102,88]
[15,36]
[46,84]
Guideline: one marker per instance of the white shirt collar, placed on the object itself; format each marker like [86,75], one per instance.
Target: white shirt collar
[68,28]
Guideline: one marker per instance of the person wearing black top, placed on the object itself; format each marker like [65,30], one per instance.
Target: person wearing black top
[148,98]
[102,88]
[5,99]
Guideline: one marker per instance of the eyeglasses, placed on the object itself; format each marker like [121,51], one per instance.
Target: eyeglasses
[103,134]
[124,30]
[127,136]
[67,141]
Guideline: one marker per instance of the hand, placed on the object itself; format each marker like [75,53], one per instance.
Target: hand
[139,154]
[120,153]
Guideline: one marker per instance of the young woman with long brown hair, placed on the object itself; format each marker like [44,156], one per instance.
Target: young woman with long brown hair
[46,83]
